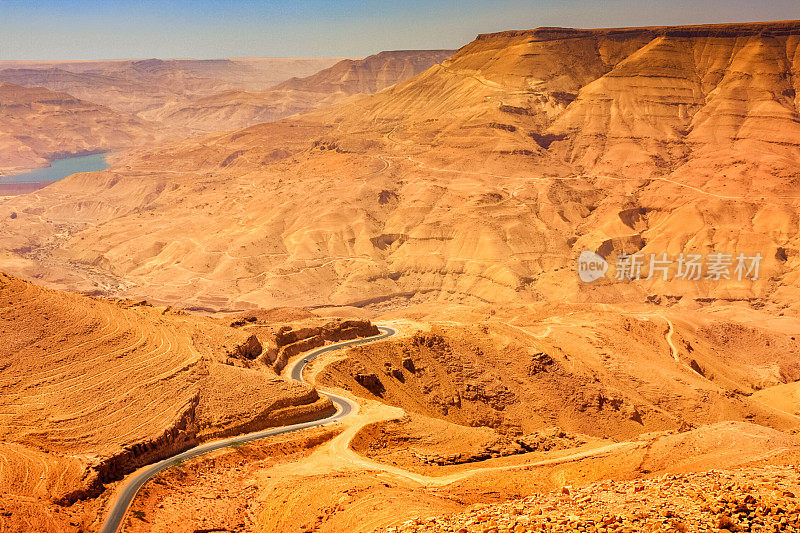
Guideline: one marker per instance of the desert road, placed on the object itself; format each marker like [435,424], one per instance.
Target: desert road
[343,405]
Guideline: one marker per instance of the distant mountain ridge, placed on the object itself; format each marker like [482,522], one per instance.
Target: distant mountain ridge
[133,86]
[127,91]
[368,75]
[238,109]
[479,180]
[38,125]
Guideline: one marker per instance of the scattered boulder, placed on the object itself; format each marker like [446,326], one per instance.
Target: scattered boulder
[725,522]
[250,349]
[243,321]
[371,382]
[720,501]
[540,362]
[694,365]
[396,373]
[633,413]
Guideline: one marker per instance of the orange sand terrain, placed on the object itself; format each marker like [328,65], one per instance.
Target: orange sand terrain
[437,188]
[391,467]
[451,206]
[617,377]
[92,389]
[237,109]
[248,490]
[38,125]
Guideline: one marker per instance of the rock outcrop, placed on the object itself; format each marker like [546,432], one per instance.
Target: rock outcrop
[249,349]
[368,75]
[759,498]
[136,383]
[291,341]
[371,382]
[539,441]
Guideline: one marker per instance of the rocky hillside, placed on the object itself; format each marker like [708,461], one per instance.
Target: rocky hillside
[479,180]
[38,125]
[748,499]
[368,75]
[616,378]
[93,389]
[238,109]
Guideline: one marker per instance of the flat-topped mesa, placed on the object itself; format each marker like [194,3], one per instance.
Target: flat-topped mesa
[545,33]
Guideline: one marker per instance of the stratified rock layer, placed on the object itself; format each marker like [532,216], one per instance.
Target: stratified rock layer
[480,180]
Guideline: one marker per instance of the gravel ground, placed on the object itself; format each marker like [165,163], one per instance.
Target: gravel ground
[751,499]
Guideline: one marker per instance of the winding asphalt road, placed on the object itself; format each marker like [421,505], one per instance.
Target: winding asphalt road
[343,408]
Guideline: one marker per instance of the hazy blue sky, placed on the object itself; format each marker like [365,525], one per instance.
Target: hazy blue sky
[69,29]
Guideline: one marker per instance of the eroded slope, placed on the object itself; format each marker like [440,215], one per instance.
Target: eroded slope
[92,389]
[38,125]
[618,376]
[236,109]
[478,180]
